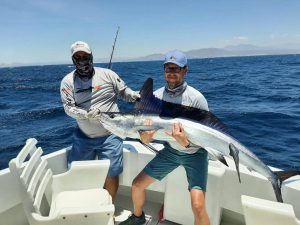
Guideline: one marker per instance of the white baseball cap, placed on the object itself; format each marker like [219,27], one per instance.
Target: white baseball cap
[80,46]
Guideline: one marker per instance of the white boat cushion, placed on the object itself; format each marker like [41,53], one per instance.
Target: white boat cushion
[67,200]
[264,212]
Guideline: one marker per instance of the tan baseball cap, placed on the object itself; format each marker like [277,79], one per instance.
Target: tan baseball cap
[80,46]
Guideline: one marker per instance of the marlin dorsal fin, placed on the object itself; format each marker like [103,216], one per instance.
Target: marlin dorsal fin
[148,103]
[216,155]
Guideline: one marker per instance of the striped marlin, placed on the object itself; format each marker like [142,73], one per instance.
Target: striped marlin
[202,128]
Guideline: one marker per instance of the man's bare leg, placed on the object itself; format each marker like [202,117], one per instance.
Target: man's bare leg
[139,184]
[111,185]
[198,206]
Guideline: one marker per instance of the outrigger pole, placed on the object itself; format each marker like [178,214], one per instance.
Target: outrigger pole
[113,48]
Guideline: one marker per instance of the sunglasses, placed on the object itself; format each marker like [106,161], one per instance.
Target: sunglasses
[173,69]
[82,57]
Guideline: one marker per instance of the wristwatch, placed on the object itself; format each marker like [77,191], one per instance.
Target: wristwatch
[188,145]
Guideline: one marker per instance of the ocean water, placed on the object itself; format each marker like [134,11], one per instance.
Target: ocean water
[257,97]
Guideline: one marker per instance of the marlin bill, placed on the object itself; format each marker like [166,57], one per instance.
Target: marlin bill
[202,128]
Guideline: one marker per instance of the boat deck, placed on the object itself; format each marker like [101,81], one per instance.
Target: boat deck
[152,209]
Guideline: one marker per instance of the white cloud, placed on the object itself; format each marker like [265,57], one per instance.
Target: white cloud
[237,40]
[241,39]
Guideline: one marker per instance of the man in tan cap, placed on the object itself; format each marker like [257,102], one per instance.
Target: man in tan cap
[85,92]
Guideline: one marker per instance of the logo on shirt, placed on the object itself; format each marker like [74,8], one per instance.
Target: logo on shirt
[97,88]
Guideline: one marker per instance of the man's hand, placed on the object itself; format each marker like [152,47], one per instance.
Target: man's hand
[136,95]
[179,134]
[92,113]
[147,136]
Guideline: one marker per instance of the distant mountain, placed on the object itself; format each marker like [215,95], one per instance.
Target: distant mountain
[151,57]
[228,51]
[15,64]
[207,53]
[244,47]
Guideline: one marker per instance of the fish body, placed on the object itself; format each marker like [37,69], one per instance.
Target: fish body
[129,125]
[202,128]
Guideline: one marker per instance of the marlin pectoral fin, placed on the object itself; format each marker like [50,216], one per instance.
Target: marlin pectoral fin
[234,152]
[223,160]
[216,155]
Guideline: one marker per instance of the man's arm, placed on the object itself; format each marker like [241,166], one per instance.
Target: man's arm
[121,88]
[130,95]
[67,97]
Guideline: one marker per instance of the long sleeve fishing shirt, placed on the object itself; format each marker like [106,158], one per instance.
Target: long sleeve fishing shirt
[101,91]
[189,97]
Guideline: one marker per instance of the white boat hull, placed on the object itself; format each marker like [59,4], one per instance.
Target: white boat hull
[223,191]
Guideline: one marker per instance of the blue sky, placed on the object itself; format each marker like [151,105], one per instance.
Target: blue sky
[35,31]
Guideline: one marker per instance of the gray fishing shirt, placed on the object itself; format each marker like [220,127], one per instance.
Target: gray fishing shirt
[101,91]
[189,97]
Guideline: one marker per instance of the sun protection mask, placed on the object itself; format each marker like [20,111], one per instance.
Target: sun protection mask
[176,91]
[84,66]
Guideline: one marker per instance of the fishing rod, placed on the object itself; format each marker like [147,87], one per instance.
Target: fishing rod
[113,48]
[148,146]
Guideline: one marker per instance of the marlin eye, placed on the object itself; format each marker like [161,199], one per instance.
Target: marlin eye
[112,116]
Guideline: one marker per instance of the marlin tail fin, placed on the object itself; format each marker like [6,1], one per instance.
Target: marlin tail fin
[283,175]
[280,177]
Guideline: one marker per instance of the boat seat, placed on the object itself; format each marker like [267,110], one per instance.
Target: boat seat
[261,212]
[74,197]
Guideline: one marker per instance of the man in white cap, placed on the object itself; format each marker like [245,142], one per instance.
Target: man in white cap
[85,92]
[180,151]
